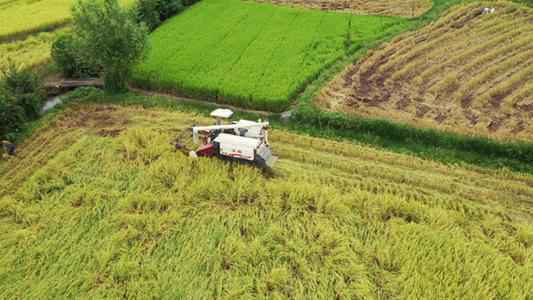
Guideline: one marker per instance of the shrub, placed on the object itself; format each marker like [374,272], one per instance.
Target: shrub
[11,115]
[31,104]
[21,99]
[189,2]
[147,12]
[66,54]
[168,8]
[20,81]
[25,88]
[154,12]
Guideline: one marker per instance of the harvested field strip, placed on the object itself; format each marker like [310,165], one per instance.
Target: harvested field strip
[476,51]
[410,190]
[253,55]
[106,216]
[523,44]
[371,175]
[520,95]
[442,30]
[496,74]
[504,88]
[414,79]
[390,173]
[499,70]
[369,162]
[375,186]
[426,143]
[377,7]
[398,60]
[495,56]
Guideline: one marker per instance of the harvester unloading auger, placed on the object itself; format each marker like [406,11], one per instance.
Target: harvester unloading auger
[244,141]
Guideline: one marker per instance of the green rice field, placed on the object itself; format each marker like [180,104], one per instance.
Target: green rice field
[250,54]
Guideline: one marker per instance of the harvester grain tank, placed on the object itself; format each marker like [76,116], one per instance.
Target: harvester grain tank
[244,140]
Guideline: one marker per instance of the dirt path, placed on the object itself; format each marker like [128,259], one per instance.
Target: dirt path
[57,87]
[411,8]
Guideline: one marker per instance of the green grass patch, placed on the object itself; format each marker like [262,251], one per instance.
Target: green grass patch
[253,55]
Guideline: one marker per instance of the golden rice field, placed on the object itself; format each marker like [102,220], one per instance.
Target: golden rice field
[406,8]
[28,29]
[30,52]
[22,16]
[468,72]
[97,204]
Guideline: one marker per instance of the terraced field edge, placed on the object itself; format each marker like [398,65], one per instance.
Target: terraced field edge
[484,88]
[425,143]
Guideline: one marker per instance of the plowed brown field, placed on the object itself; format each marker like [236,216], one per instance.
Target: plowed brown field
[409,8]
[469,72]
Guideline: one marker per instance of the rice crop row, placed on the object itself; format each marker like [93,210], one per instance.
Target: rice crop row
[253,55]
[99,205]
[30,52]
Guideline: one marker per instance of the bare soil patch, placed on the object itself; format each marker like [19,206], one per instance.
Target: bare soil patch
[103,120]
[409,8]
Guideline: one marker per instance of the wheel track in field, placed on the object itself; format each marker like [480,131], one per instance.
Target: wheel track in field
[387,171]
[395,176]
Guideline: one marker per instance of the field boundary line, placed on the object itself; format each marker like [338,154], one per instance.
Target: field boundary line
[25,34]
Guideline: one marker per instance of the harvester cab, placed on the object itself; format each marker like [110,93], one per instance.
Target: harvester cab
[243,140]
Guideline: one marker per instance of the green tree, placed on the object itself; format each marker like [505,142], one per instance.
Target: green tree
[12,116]
[66,55]
[24,89]
[109,37]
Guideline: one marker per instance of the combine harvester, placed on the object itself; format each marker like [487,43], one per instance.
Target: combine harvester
[244,141]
